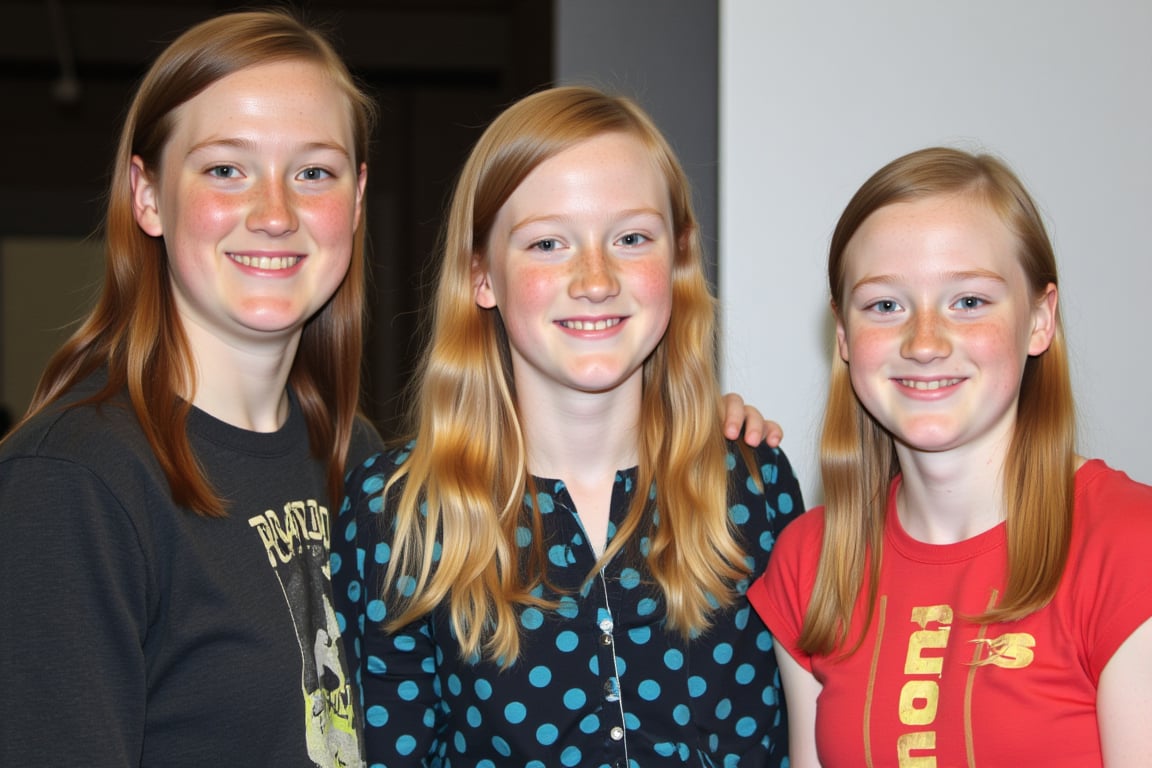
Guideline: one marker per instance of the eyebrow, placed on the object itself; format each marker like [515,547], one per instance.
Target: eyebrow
[560,218]
[951,277]
[247,145]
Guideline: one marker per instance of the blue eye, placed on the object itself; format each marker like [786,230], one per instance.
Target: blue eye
[223,171]
[884,306]
[969,302]
[314,174]
[633,239]
[547,245]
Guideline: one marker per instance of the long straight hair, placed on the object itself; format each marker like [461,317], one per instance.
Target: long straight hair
[134,330]
[857,456]
[465,482]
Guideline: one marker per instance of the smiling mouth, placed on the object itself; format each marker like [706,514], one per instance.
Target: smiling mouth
[925,386]
[590,325]
[267,263]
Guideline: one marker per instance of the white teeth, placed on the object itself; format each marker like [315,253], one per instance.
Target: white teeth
[269,264]
[590,325]
[928,385]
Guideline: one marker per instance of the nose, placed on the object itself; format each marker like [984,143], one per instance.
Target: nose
[926,338]
[272,211]
[594,276]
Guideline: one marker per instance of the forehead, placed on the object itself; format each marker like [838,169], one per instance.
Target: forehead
[291,96]
[955,231]
[618,164]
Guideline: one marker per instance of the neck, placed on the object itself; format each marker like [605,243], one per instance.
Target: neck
[951,496]
[245,386]
[582,437]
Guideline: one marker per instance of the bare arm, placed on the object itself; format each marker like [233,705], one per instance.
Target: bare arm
[757,429]
[800,692]
[1124,702]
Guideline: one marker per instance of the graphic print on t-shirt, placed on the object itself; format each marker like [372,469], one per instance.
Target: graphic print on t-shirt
[923,668]
[296,541]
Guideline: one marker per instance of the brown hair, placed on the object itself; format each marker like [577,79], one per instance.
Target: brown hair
[134,330]
[468,466]
[857,455]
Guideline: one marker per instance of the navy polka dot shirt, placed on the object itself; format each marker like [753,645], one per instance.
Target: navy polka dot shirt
[599,681]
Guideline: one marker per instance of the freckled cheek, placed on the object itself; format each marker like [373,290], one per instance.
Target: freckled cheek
[330,218]
[870,348]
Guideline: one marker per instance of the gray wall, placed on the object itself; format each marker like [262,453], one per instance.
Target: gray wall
[663,54]
[817,95]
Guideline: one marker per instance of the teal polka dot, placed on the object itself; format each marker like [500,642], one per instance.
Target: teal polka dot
[724,709]
[483,689]
[664,748]
[673,659]
[629,578]
[454,686]
[568,607]
[681,714]
[746,726]
[571,756]
[722,653]
[574,699]
[474,717]
[697,686]
[381,553]
[532,618]
[515,712]
[545,504]
[540,676]
[405,744]
[523,537]
[646,606]
[376,610]
[406,585]
[745,674]
[501,746]
[376,665]
[547,734]
[567,641]
[376,716]
[739,514]
[640,635]
[408,690]
[559,556]
[590,724]
[404,643]
[764,641]
[649,690]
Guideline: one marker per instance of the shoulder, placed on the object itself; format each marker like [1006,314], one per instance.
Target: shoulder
[1109,506]
[105,439]
[764,473]
[366,442]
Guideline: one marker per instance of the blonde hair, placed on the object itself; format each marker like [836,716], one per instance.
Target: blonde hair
[857,456]
[134,330]
[465,482]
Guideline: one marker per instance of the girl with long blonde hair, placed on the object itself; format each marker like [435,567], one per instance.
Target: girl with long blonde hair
[551,571]
[972,592]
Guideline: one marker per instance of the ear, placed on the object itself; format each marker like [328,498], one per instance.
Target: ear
[1044,320]
[144,203]
[482,283]
[841,333]
[361,181]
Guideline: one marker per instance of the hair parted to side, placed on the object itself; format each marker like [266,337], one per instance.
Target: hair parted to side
[468,467]
[857,456]
[134,330]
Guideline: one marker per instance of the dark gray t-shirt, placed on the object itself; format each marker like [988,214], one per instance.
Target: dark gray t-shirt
[135,632]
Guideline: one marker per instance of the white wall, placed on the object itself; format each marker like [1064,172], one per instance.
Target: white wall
[817,95]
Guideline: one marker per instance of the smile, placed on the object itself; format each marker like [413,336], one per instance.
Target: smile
[928,385]
[590,325]
[267,263]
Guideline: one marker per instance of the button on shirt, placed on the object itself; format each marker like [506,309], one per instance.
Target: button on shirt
[599,681]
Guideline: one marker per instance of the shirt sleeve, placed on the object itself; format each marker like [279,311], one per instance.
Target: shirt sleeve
[74,596]
[395,671]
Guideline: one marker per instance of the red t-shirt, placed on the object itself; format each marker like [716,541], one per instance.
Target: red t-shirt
[928,688]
